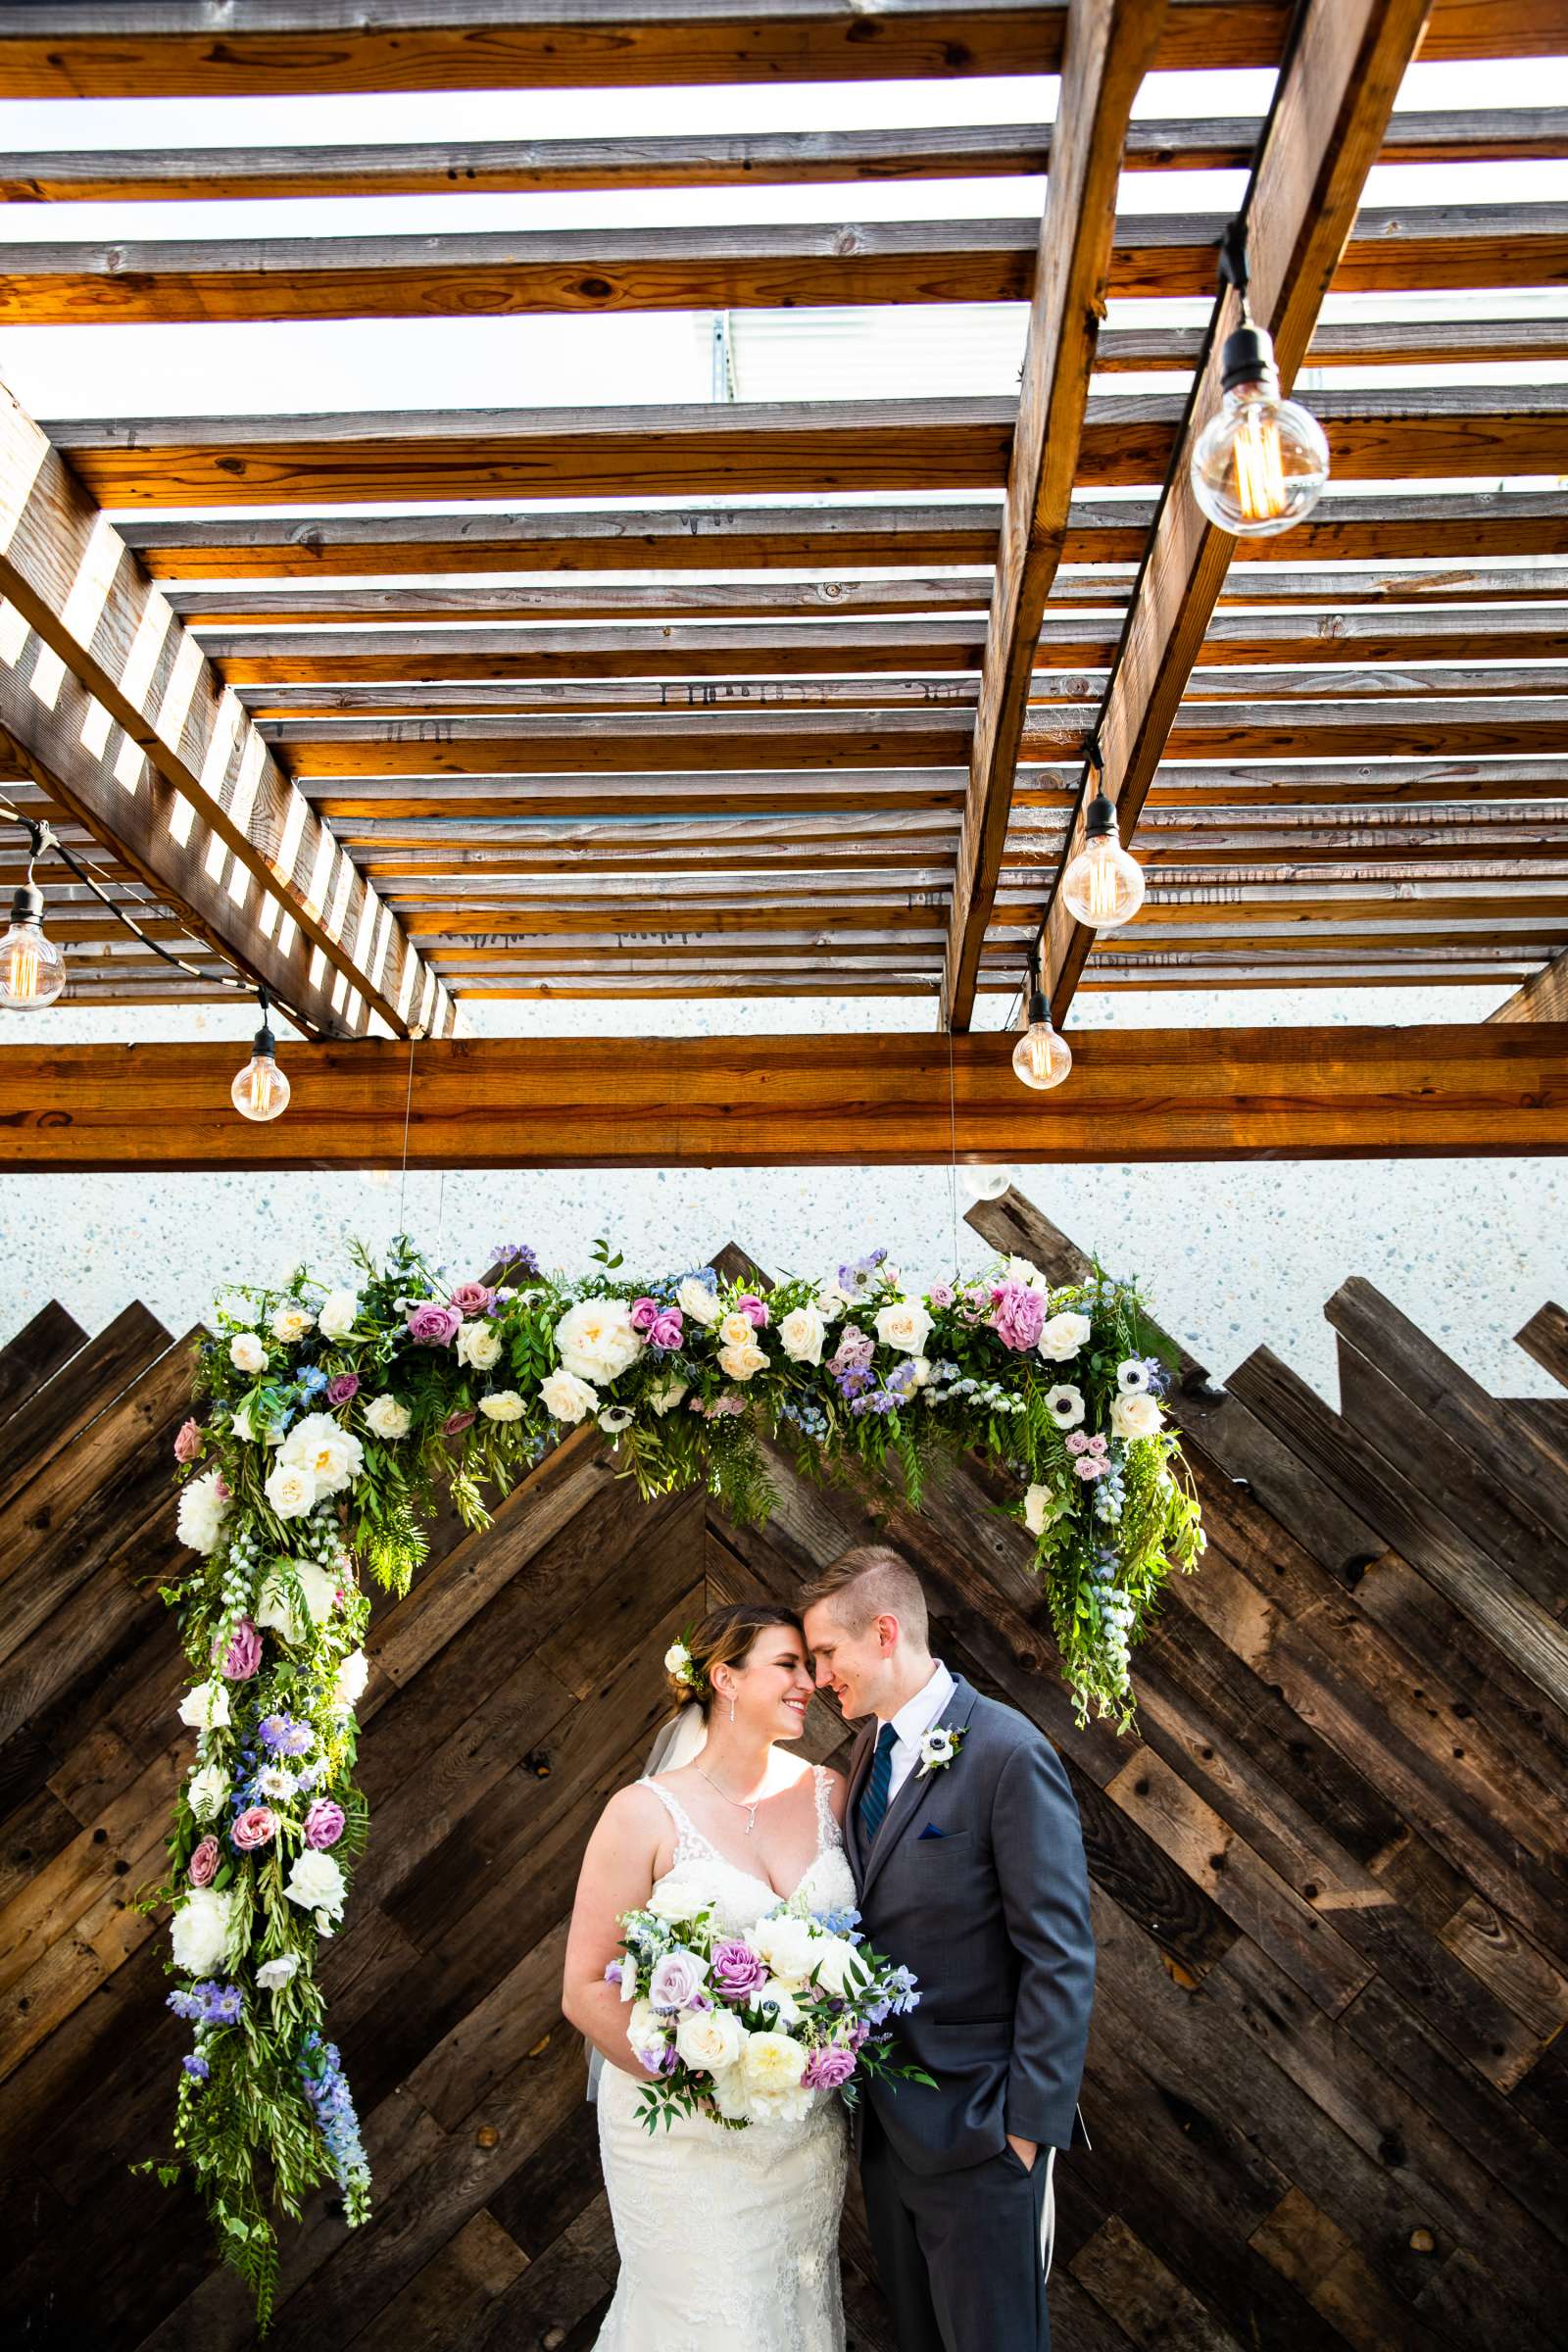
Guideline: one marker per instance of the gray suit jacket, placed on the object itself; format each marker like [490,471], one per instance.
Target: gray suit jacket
[992,1914]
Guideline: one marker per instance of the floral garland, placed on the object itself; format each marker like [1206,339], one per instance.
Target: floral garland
[337,1420]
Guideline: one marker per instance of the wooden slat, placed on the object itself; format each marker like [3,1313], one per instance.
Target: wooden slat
[36,1352]
[500,167]
[957,444]
[1544,998]
[68,575]
[1168,1094]
[1330,115]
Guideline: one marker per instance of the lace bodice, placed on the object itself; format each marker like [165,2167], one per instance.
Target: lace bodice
[740,1896]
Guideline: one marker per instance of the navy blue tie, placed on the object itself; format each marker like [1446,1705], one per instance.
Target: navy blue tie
[874,1796]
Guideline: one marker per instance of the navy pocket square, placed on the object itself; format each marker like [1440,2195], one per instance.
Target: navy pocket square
[931,1831]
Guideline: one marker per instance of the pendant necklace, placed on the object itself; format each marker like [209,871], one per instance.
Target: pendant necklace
[739,1802]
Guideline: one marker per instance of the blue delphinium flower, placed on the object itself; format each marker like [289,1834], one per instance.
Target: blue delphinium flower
[333,2103]
[196,2066]
[312,1380]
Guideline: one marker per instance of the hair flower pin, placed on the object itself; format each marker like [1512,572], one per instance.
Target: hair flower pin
[939,1748]
[681,1667]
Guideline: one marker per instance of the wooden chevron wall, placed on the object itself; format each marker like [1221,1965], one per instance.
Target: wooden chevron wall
[1325,2079]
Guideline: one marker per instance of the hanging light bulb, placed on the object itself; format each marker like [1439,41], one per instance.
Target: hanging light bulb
[1260,465]
[1103,886]
[984,1184]
[33,968]
[1041,1059]
[260,1090]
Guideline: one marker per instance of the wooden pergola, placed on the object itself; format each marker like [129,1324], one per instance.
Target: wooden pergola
[852,762]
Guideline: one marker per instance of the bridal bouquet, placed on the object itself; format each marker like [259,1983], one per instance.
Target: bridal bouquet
[748,2029]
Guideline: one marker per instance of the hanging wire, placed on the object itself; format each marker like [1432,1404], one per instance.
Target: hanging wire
[953,1163]
[44,839]
[408,1112]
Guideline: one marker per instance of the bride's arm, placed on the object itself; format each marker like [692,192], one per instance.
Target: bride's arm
[616,1876]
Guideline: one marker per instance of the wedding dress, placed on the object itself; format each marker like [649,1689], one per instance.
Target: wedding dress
[728,2237]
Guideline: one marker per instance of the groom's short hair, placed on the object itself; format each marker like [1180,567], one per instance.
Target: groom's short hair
[872,1581]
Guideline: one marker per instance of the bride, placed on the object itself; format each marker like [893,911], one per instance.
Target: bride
[724,2237]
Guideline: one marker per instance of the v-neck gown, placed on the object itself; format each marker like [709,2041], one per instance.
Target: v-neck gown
[728,2237]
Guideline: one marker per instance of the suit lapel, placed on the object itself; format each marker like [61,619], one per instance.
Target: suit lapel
[910,1799]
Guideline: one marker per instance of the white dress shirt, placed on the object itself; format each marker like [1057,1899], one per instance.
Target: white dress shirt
[915,1717]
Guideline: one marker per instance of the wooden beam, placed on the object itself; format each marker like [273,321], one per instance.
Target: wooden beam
[492,273]
[1463,530]
[812,1101]
[1329,118]
[71,577]
[1544,998]
[1460,431]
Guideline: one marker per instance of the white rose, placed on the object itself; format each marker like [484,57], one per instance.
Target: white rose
[246,1352]
[273,1975]
[290,1488]
[1135,1416]
[332,1454]
[787,1944]
[273,1609]
[696,1299]
[567,1396]
[200,1930]
[595,1338]
[338,1314]
[348,1683]
[505,1405]
[744,1358]
[674,1902]
[644,2030]
[832,1300]
[206,1707]
[903,1323]
[199,1521]
[1062,1336]
[206,1790]
[315,1883]
[384,1417]
[665,1399]
[291,1323]
[711,2039]
[735,1329]
[1065,1404]
[837,1965]
[800,1335]
[479,1346]
[1043,1506]
[1024,1270]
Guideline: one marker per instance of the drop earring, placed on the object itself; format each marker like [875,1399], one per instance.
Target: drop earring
[732,1710]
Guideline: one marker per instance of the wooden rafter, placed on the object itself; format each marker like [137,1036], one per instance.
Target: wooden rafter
[1329,119]
[69,576]
[1542,998]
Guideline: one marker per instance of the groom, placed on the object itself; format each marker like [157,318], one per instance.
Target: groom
[971,1874]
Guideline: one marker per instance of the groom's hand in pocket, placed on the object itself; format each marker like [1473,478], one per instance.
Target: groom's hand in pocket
[1026,2151]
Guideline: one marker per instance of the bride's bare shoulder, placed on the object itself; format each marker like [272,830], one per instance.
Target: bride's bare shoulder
[633,1813]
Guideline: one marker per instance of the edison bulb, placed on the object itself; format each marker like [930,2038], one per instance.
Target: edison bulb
[984,1184]
[260,1090]
[1103,886]
[32,970]
[1040,1057]
[1261,463]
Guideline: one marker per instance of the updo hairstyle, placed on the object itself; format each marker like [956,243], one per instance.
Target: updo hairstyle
[723,1639]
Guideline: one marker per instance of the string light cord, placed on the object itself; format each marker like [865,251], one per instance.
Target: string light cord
[44,838]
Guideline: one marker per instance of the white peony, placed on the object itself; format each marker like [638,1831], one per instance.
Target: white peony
[246,1352]
[273,1975]
[505,1405]
[206,1790]
[1062,1336]
[903,1323]
[315,1883]
[837,1965]
[595,1341]
[711,2039]
[273,1609]
[1137,1415]
[800,1335]
[206,1707]
[290,1488]
[348,1683]
[674,1902]
[333,1454]
[771,2065]
[1043,1506]
[338,1314]
[201,1512]
[665,1399]
[568,1398]
[696,1299]
[291,1323]
[1065,1404]
[729,2095]
[384,1417]
[200,1930]
[788,1946]
[1024,1270]
[479,1346]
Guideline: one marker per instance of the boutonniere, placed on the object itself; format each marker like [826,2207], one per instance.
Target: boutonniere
[939,1748]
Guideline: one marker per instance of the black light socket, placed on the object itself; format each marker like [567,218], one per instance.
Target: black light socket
[27,905]
[1247,356]
[1100,818]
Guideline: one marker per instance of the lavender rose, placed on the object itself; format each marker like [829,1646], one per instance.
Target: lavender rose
[432,1325]
[667,1331]
[256,1827]
[243,1656]
[737,1971]
[644,1314]
[324,1824]
[753,1310]
[202,1867]
[342,1387]
[675,1979]
[474,1299]
[828,2070]
[189,1442]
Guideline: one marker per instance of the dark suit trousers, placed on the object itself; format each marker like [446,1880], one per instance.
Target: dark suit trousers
[959,2253]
